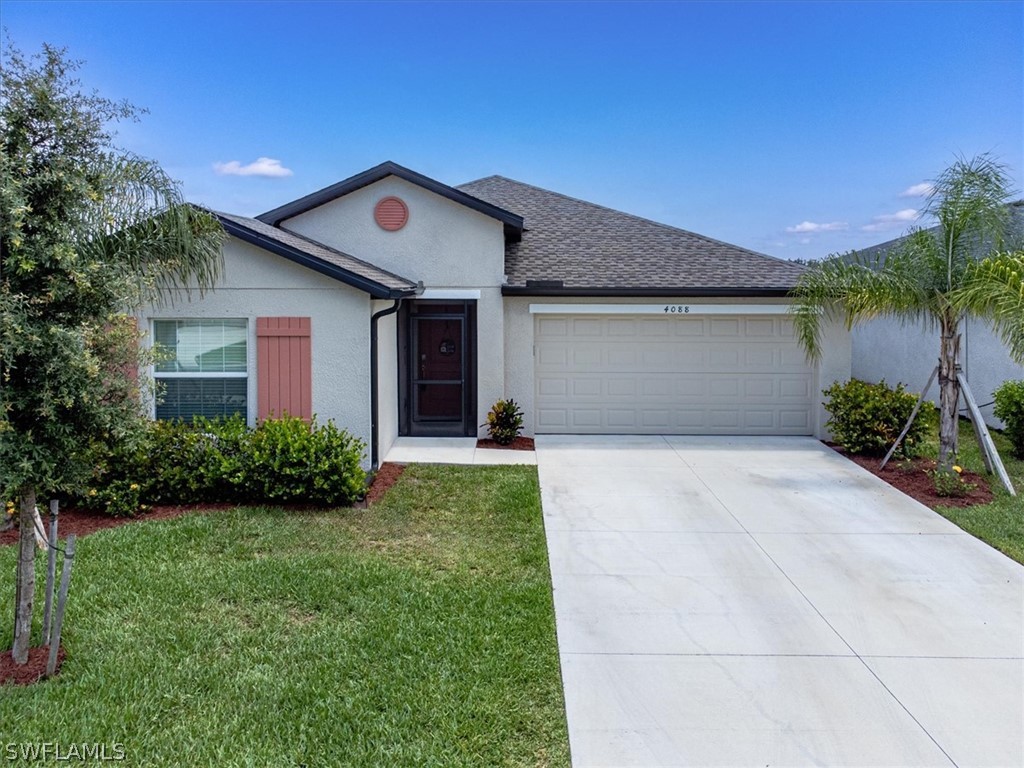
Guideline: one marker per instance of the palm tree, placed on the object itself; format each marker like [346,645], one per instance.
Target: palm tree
[936,276]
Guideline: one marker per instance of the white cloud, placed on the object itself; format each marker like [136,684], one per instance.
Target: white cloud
[263,166]
[918,190]
[891,220]
[810,226]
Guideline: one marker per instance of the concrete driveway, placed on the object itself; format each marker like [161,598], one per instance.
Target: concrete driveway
[764,602]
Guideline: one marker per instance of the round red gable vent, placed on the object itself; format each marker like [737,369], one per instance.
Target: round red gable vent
[391,213]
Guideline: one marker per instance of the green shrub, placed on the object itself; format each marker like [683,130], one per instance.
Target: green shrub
[222,460]
[504,422]
[867,418]
[1010,410]
[288,460]
[197,462]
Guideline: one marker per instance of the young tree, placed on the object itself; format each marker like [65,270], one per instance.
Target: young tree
[87,233]
[931,276]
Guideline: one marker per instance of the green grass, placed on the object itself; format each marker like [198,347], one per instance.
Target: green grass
[1001,523]
[419,632]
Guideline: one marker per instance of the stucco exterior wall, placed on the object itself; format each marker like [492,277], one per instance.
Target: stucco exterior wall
[443,243]
[519,348]
[259,284]
[884,349]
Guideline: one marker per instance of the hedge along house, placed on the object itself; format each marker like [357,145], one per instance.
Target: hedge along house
[398,305]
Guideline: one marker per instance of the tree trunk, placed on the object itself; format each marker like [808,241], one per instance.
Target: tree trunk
[26,577]
[949,392]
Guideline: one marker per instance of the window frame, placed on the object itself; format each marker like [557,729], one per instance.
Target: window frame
[156,375]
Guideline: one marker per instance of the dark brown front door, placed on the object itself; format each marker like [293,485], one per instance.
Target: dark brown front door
[440,351]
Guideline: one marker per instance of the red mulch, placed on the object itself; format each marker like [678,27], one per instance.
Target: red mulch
[387,475]
[519,444]
[31,671]
[912,478]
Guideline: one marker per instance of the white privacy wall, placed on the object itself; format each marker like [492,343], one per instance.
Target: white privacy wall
[885,349]
[255,284]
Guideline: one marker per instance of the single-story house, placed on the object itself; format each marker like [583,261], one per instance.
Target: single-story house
[396,305]
[887,349]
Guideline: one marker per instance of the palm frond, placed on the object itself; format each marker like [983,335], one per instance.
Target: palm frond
[140,222]
[855,288]
[969,201]
[994,290]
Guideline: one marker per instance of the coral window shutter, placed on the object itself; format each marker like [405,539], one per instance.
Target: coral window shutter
[284,367]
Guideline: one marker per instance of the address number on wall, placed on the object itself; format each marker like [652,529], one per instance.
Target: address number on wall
[677,309]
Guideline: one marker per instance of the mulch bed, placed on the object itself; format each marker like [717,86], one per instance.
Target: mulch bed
[519,444]
[386,476]
[30,672]
[912,478]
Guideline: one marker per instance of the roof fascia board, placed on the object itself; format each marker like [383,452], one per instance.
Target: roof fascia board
[371,287]
[516,290]
[513,223]
[659,308]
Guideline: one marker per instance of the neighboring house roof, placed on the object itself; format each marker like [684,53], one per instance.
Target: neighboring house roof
[874,255]
[572,247]
[378,282]
[512,222]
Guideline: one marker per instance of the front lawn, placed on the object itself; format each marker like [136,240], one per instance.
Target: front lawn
[418,632]
[1001,523]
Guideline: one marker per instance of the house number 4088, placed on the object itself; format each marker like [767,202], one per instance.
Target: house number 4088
[677,309]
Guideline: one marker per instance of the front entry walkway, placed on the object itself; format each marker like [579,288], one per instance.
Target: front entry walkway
[452,450]
[763,601]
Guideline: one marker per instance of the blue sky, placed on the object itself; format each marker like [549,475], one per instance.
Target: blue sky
[795,129]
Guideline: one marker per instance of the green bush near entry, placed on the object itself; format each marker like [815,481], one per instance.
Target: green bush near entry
[283,460]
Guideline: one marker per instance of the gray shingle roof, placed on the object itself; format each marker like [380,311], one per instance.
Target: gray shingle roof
[875,255]
[588,246]
[334,263]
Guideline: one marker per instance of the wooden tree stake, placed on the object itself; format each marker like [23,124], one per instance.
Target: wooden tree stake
[910,421]
[51,571]
[988,447]
[62,599]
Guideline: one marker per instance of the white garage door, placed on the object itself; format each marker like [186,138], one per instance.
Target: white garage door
[712,374]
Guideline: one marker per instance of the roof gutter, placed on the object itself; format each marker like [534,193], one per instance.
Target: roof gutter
[374,376]
[546,290]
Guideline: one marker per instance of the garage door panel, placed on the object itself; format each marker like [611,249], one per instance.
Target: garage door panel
[698,375]
[586,388]
[552,387]
[760,327]
[552,327]
[687,326]
[588,326]
[619,327]
[655,327]
[553,355]
[721,326]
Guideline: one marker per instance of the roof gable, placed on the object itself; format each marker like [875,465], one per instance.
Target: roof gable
[572,247]
[512,222]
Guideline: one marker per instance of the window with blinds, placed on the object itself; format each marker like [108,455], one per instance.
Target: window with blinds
[202,368]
